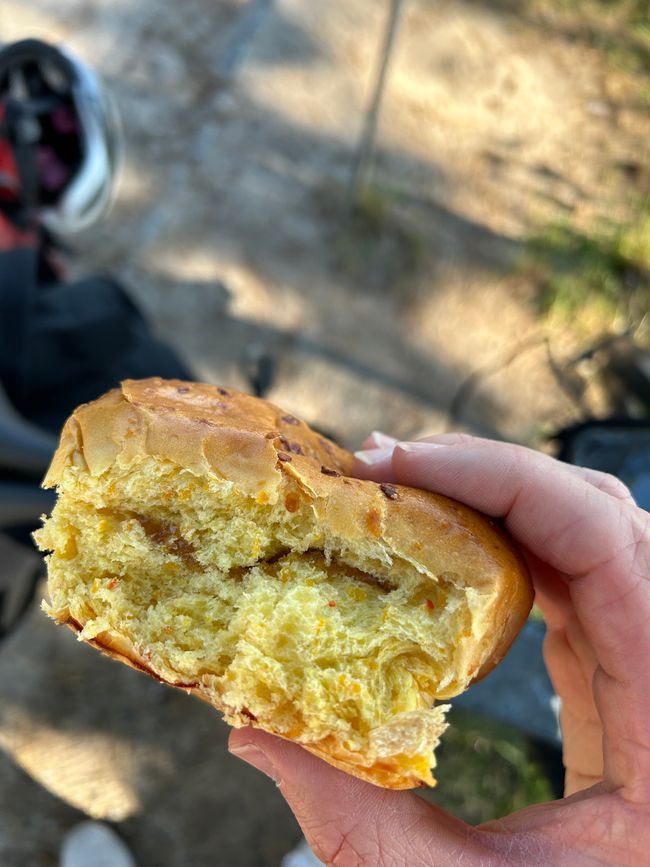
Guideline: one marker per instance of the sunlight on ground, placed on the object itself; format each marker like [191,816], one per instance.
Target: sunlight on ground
[89,770]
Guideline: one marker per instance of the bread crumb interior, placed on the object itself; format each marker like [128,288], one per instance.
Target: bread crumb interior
[288,627]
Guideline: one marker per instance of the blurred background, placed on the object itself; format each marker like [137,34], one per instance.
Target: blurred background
[480,262]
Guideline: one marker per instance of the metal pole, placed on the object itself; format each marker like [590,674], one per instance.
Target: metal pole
[366,147]
[245,29]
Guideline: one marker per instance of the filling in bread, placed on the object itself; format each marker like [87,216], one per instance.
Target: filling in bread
[288,627]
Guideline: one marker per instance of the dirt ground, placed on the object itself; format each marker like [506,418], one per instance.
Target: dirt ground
[230,228]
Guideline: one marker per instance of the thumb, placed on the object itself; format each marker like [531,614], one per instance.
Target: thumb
[350,823]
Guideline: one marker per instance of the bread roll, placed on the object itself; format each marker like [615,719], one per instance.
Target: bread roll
[219,544]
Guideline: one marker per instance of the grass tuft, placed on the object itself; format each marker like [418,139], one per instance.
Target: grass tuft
[605,272]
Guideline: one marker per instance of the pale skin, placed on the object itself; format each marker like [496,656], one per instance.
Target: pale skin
[588,548]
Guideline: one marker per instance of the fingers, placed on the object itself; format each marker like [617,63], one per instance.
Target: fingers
[374,461]
[599,542]
[415,464]
[603,481]
[379,440]
[571,663]
[552,596]
[347,821]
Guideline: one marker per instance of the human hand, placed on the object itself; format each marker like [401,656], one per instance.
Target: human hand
[588,548]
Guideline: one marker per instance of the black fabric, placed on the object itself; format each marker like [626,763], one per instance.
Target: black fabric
[18,278]
[62,344]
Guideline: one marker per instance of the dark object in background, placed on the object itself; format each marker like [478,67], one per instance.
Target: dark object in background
[620,444]
[62,344]
[60,138]
[626,371]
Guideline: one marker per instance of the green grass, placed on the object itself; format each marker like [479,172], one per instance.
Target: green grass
[486,770]
[599,274]
[594,275]
[536,614]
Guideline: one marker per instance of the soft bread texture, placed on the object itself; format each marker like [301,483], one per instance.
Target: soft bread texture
[216,542]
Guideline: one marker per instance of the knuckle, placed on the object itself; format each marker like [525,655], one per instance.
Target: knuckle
[614,486]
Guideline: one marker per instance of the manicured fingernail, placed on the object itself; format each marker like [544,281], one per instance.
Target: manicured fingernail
[419,448]
[382,440]
[373,456]
[254,756]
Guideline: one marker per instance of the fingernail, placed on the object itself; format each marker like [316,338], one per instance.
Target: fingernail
[382,440]
[419,448]
[253,755]
[373,456]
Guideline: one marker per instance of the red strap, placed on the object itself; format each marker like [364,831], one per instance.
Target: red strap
[11,236]
[9,178]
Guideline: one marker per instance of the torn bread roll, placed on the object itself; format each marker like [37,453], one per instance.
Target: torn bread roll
[219,544]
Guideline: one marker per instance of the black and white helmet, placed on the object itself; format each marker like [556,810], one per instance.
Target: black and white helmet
[64,131]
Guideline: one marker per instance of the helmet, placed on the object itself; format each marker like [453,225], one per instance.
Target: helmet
[64,132]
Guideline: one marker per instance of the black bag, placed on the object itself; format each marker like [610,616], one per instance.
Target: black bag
[62,344]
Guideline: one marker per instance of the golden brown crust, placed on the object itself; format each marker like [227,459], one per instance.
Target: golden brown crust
[203,428]
[215,431]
